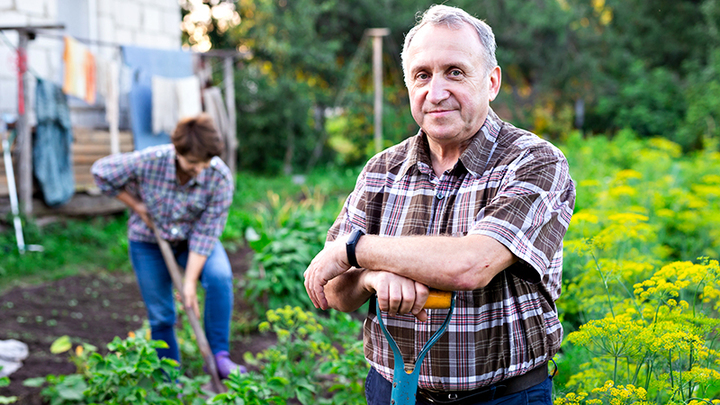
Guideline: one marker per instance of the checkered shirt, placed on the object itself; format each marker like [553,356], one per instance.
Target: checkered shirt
[508,184]
[195,211]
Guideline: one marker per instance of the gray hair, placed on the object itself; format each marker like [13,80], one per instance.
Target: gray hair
[453,17]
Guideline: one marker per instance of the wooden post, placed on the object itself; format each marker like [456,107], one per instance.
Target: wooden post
[377,34]
[24,136]
[229,79]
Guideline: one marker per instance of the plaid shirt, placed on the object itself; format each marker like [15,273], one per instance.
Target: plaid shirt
[508,184]
[195,211]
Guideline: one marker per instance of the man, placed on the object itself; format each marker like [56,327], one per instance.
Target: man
[469,204]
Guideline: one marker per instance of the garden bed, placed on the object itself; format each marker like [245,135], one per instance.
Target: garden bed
[90,308]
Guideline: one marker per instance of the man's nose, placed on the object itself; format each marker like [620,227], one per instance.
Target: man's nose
[437,89]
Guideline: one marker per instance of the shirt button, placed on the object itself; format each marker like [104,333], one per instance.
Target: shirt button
[174,231]
[439,196]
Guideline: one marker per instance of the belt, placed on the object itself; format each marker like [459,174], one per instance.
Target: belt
[489,393]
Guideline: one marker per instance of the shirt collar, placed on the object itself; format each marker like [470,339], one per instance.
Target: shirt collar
[474,159]
[171,173]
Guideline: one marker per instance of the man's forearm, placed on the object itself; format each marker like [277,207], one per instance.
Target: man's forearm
[445,263]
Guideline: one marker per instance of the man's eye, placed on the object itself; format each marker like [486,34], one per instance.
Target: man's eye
[422,76]
[455,73]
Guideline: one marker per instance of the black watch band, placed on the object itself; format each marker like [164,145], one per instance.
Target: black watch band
[350,247]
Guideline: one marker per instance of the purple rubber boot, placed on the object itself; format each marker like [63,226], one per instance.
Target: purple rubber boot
[225,366]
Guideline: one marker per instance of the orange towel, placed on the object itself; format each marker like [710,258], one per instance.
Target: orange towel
[79,79]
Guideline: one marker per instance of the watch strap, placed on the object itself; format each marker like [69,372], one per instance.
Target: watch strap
[351,245]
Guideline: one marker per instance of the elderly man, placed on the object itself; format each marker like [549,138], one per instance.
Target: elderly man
[469,204]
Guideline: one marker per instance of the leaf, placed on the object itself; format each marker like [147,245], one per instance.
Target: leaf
[61,345]
[34,382]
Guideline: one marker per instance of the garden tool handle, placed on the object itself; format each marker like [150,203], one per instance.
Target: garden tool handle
[200,338]
[438,299]
[405,377]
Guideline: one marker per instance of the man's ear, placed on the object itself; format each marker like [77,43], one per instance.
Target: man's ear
[495,81]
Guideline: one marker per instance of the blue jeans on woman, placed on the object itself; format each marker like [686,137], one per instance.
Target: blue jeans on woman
[157,291]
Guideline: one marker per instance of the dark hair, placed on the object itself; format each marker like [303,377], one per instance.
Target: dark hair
[197,137]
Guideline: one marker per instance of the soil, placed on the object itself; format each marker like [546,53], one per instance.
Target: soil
[89,308]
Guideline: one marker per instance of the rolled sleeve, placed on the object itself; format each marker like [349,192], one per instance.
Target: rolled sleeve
[532,209]
[206,231]
[113,172]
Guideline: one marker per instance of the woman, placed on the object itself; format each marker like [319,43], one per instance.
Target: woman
[185,190]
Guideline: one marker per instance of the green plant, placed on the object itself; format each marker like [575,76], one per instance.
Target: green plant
[4,382]
[305,365]
[290,234]
[131,373]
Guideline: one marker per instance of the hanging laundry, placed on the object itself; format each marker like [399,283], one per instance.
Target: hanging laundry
[144,63]
[108,85]
[52,146]
[79,79]
[215,107]
[172,100]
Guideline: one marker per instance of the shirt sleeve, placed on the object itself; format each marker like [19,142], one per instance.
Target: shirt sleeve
[208,228]
[113,172]
[532,209]
[353,213]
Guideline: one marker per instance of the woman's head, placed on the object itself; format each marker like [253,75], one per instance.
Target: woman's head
[198,138]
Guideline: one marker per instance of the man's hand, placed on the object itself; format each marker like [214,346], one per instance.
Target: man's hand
[398,295]
[328,264]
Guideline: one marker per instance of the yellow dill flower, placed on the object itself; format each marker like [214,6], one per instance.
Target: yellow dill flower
[671,148]
[586,216]
[622,190]
[710,179]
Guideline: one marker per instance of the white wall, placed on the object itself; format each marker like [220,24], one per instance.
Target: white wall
[147,23]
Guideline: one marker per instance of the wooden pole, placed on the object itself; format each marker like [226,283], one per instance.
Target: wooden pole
[24,140]
[377,34]
[201,339]
[229,79]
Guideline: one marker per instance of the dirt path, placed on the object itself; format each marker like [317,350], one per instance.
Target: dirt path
[88,308]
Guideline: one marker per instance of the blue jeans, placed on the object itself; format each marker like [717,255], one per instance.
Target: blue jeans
[378,391]
[157,291]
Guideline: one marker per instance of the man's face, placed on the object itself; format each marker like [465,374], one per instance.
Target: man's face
[192,165]
[450,90]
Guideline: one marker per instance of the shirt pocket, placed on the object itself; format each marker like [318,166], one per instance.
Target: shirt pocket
[190,208]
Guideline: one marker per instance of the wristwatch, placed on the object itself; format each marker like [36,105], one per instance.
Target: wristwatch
[350,247]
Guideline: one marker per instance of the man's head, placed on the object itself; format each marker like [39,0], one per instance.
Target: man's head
[453,17]
[451,75]
[196,142]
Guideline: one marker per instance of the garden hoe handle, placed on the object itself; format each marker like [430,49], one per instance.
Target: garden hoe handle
[405,379]
[200,337]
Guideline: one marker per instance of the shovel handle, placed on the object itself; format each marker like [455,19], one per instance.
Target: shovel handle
[438,300]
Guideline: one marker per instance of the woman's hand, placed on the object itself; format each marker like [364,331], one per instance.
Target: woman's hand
[189,294]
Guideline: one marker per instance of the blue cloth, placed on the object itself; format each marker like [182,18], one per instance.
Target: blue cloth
[156,289]
[52,146]
[146,63]
[378,391]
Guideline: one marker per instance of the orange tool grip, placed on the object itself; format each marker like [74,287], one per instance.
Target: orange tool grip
[438,299]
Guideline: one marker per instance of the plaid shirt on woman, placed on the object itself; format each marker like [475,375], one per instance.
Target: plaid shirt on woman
[195,211]
[508,184]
